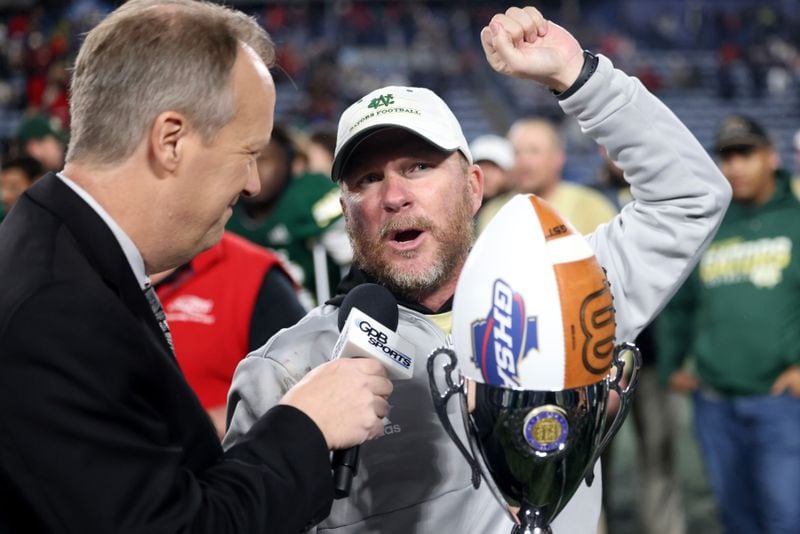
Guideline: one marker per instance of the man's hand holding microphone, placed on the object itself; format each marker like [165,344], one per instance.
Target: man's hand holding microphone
[347,397]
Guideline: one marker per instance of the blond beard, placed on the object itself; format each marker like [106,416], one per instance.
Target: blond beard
[453,239]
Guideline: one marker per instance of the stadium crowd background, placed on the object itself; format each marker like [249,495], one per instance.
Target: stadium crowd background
[705,59]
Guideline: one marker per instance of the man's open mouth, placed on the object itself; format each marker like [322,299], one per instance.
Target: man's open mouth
[403,236]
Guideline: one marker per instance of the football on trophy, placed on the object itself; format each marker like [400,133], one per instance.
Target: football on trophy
[533,308]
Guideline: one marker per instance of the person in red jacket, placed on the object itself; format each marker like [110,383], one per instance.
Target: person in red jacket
[227,301]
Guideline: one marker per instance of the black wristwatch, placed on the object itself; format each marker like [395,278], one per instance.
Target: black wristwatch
[589,66]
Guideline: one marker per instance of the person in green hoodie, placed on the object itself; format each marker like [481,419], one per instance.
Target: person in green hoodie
[738,317]
[297,216]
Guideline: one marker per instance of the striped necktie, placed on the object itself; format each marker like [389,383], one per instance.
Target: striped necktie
[158,311]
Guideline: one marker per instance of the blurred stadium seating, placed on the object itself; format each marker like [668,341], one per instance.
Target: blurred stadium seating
[705,59]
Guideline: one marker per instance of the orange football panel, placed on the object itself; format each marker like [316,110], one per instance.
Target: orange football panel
[553,224]
[588,320]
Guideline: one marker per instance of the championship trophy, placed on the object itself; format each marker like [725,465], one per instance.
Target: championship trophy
[533,349]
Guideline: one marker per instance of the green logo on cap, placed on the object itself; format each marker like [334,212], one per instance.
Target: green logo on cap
[383,100]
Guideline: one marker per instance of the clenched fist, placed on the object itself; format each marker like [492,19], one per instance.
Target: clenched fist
[523,44]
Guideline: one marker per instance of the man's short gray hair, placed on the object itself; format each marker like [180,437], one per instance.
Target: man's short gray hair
[151,56]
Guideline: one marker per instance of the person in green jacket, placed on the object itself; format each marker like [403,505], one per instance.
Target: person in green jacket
[299,217]
[738,316]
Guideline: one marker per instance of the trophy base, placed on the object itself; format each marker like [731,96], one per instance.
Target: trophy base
[528,529]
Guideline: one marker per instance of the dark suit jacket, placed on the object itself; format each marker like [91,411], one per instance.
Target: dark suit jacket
[99,431]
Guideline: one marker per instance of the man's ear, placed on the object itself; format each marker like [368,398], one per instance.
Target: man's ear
[167,139]
[342,204]
[475,178]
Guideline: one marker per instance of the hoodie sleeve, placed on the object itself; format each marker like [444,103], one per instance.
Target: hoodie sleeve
[679,194]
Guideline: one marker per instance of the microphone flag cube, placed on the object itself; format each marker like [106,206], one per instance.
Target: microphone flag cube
[364,337]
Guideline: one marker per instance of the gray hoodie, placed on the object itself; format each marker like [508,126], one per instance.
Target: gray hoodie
[413,479]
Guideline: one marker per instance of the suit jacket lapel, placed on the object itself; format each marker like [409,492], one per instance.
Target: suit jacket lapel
[98,244]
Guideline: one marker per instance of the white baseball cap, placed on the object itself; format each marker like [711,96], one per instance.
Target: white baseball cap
[493,148]
[415,109]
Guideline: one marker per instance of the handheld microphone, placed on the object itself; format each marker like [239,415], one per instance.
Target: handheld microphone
[367,322]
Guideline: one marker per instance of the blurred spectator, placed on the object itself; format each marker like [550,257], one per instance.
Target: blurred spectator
[299,217]
[319,151]
[726,86]
[539,159]
[650,78]
[756,61]
[16,176]
[42,138]
[495,156]
[226,302]
[738,317]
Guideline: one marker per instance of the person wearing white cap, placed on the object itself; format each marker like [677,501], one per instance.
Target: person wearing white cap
[409,190]
[495,155]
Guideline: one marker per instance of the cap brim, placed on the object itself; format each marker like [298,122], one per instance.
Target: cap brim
[741,142]
[343,157]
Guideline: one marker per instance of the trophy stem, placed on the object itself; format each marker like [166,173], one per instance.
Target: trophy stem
[531,522]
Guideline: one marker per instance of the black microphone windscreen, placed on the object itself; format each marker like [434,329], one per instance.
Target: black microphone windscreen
[374,300]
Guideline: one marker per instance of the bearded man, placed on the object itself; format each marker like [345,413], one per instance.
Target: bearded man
[409,190]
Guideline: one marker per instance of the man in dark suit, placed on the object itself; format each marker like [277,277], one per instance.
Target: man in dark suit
[99,431]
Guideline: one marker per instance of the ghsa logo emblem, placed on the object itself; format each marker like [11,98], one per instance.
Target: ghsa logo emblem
[506,336]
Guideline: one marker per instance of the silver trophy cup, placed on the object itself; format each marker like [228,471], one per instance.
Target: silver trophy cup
[533,448]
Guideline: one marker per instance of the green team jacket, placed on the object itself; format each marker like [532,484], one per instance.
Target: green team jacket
[738,314]
[307,208]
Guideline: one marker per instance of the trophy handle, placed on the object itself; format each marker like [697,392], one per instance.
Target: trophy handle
[625,396]
[440,405]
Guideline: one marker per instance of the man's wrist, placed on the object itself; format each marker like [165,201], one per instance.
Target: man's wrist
[590,62]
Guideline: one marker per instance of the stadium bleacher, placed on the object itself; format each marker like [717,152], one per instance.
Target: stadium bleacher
[378,43]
